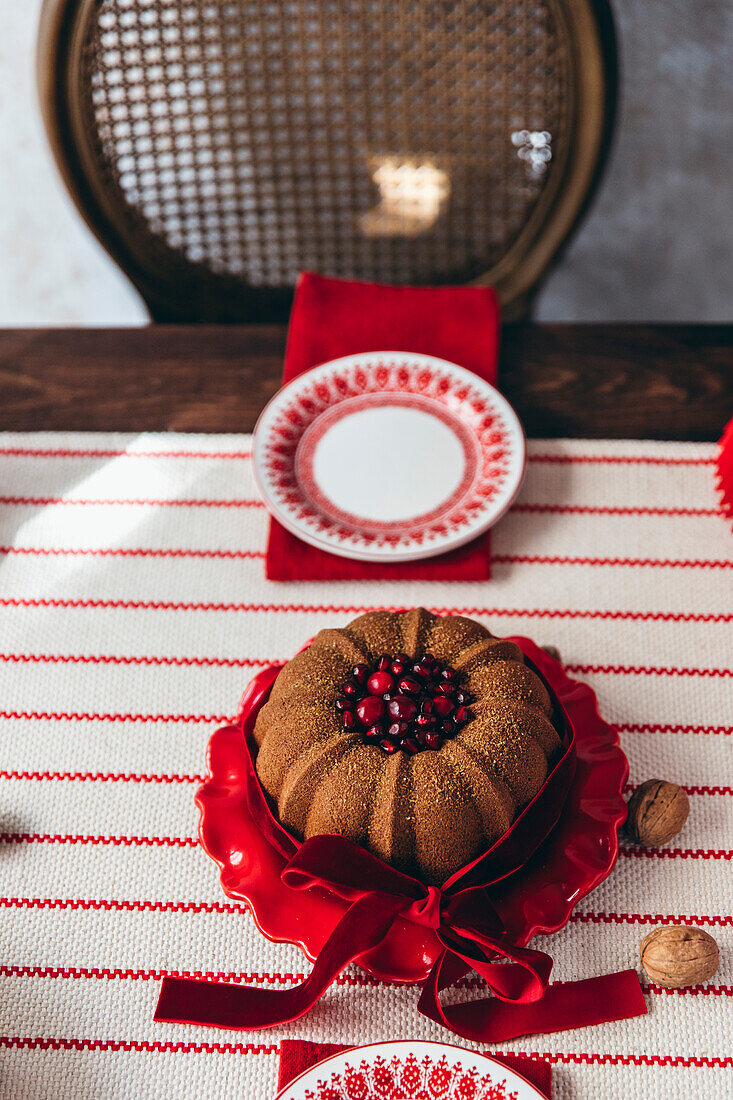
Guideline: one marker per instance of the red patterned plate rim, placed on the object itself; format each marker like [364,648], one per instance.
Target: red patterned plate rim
[491,1072]
[577,856]
[481,421]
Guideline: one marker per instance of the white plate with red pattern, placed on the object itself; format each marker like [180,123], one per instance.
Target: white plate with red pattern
[388,456]
[401,1070]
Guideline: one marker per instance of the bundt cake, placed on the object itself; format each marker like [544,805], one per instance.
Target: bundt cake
[417,736]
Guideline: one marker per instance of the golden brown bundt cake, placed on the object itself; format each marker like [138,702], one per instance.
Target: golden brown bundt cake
[417,736]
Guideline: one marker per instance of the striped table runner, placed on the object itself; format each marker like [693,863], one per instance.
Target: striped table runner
[134,609]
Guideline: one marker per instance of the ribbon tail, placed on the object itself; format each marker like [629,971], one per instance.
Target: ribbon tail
[563,1006]
[240,1007]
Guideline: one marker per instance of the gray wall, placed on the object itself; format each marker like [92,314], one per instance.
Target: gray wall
[657,243]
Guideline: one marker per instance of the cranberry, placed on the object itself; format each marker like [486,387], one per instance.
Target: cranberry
[408,685]
[370,710]
[402,702]
[379,683]
[401,706]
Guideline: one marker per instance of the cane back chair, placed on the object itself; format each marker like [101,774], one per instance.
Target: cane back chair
[218,147]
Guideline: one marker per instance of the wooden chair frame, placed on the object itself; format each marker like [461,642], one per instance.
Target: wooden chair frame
[188,291]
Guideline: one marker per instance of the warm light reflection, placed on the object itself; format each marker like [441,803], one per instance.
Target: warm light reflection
[58,525]
[412,196]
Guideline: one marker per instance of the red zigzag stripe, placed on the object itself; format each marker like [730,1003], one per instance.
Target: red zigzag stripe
[221,907]
[669,727]
[276,978]
[251,662]
[690,790]
[358,609]
[553,459]
[90,452]
[84,716]
[102,777]
[676,853]
[139,502]
[122,906]
[239,502]
[608,510]
[139,1045]
[558,559]
[116,841]
[124,659]
[192,842]
[619,460]
[147,1046]
[133,552]
[647,670]
[170,778]
[223,719]
[243,555]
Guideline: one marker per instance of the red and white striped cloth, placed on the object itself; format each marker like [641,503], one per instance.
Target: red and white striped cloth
[134,608]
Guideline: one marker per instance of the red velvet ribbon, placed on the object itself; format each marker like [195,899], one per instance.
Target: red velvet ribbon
[462,914]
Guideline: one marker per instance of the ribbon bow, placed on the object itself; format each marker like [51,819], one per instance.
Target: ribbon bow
[468,927]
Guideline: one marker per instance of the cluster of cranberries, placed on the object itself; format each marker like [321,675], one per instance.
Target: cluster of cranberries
[402,703]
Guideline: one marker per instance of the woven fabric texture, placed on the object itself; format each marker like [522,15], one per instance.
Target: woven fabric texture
[134,609]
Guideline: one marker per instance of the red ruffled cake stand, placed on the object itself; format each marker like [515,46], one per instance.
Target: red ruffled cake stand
[578,854]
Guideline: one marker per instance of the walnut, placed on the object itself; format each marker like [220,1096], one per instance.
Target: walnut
[657,812]
[675,956]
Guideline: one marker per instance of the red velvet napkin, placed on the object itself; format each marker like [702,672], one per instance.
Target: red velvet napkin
[297,1055]
[334,317]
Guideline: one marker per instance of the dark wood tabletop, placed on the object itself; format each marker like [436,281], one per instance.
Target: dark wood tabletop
[592,381]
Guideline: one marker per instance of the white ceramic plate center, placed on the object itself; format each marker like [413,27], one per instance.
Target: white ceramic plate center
[388,463]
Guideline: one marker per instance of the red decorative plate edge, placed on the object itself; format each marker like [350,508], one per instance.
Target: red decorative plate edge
[502,1069]
[578,855]
[534,903]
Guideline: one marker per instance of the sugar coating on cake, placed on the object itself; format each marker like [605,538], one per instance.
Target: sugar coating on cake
[426,774]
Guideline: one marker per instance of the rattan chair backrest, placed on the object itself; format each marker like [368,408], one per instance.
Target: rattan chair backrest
[219,147]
